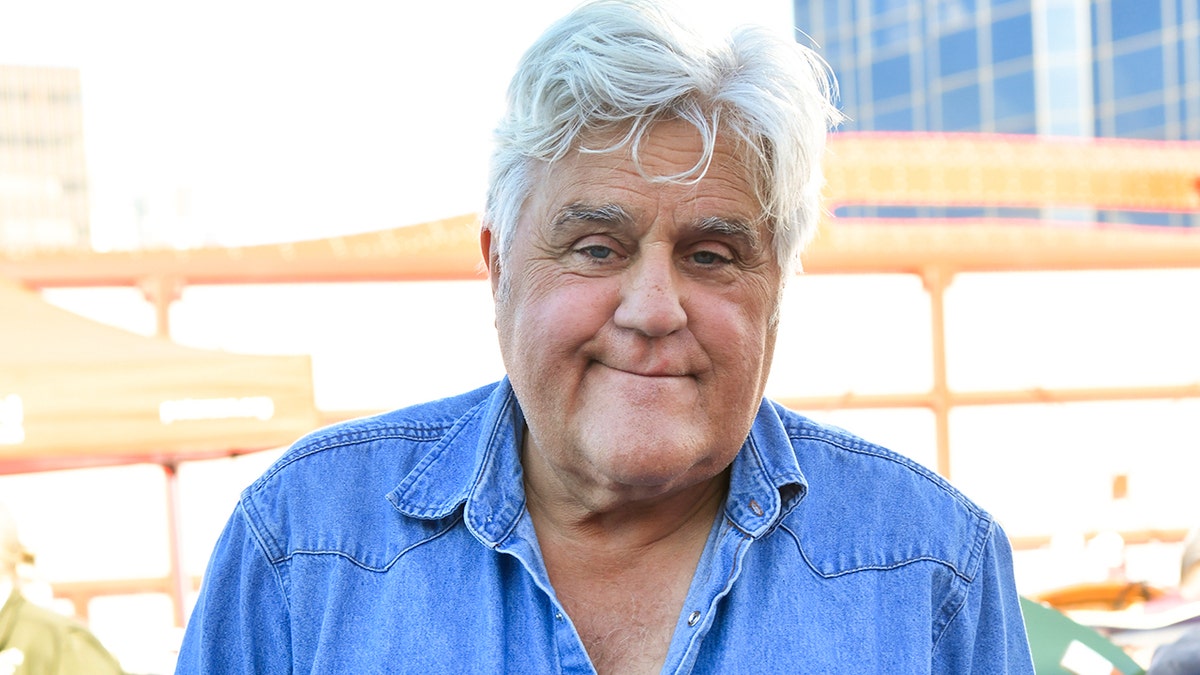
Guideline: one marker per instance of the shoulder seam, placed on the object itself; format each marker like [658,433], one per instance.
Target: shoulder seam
[305,448]
[871,450]
[987,531]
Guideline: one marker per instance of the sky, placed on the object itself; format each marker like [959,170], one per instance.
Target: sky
[247,122]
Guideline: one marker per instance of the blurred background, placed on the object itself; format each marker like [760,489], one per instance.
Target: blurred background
[252,219]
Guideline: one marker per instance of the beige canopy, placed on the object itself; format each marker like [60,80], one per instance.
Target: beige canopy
[74,392]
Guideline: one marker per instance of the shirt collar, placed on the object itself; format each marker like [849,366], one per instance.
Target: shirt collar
[476,463]
[765,481]
[765,478]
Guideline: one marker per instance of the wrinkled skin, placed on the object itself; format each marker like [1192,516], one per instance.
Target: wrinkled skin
[636,320]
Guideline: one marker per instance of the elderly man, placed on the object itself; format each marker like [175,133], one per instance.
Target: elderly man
[624,501]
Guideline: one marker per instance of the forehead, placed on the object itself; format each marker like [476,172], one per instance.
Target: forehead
[666,172]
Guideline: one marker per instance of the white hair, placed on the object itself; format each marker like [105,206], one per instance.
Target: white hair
[619,66]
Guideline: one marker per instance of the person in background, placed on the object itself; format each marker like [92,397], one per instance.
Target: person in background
[35,640]
[1182,657]
[624,500]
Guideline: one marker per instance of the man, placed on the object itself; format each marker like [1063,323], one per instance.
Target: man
[33,639]
[624,501]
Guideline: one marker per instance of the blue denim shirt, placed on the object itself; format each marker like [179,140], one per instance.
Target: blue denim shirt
[401,544]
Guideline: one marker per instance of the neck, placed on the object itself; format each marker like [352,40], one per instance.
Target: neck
[618,529]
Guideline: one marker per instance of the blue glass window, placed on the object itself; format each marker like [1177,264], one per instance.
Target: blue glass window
[907,212]
[890,77]
[1147,122]
[898,120]
[1135,218]
[955,13]
[881,6]
[833,17]
[1185,128]
[1017,125]
[1183,69]
[1135,17]
[960,109]
[897,33]
[1015,213]
[852,212]
[958,52]
[1138,72]
[1012,38]
[1015,95]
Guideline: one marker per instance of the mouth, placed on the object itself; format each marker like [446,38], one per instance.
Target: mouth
[661,372]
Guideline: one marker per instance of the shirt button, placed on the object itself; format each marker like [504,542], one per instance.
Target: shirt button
[558,616]
[758,510]
[693,618]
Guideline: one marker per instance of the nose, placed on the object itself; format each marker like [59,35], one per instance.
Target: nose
[650,297]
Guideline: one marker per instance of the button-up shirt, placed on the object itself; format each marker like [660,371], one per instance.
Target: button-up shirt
[401,544]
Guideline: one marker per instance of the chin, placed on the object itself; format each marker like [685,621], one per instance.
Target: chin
[655,464]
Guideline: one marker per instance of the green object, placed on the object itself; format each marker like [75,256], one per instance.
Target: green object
[36,640]
[1051,635]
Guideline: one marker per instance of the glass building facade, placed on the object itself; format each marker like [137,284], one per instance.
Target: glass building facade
[1107,68]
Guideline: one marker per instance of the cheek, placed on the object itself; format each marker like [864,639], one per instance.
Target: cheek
[733,330]
[542,318]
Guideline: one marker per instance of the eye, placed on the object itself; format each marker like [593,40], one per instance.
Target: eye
[709,258]
[596,251]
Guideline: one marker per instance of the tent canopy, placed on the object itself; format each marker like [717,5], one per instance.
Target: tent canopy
[74,393]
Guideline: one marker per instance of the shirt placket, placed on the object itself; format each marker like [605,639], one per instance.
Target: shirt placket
[719,569]
[572,655]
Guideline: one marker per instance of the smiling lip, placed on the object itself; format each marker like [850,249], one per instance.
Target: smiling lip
[654,373]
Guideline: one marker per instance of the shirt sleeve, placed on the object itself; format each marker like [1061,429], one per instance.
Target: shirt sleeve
[987,634]
[240,623]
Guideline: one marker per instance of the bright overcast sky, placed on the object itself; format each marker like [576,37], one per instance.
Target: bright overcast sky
[242,122]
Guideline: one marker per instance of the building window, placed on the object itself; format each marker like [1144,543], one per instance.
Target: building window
[960,109]
[833,16]
[887,36]
[1148,122]
[1014,95]
[1139,72]
[891,77]
[883,6]
[1135,17]
[898,120]
[1012,38]
[1017,125]
[953,14]
[958,52]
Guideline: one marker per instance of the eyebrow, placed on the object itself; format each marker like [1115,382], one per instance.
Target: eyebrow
[606,213]
[614,214]
[733,227]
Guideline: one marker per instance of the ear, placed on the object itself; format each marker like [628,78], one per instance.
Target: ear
[491,256]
